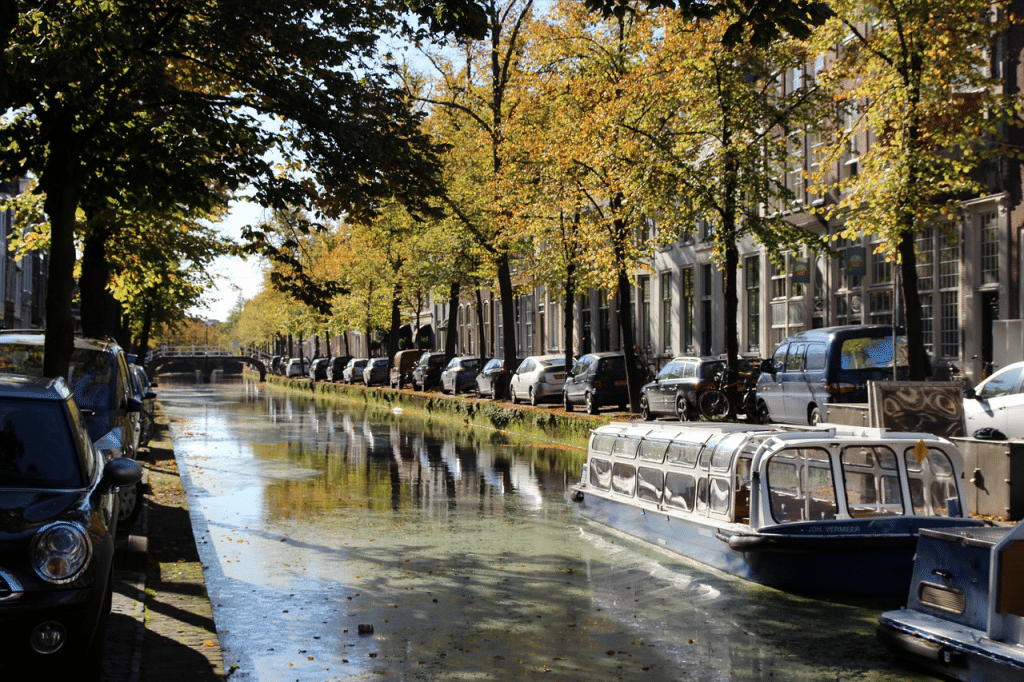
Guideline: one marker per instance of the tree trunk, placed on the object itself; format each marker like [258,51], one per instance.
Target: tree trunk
[569,314]
[508,320]
[453,322]
[480,323]
[92,285]
[60,184]
[920,367]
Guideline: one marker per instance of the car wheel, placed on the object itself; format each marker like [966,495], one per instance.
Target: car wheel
[645,409]
[590,403]
[682,409]
[533,397]
[762,413]
[565,402]
[129,503]
[814,418]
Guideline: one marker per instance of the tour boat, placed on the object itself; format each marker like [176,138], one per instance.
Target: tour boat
[965,611]
[833,508]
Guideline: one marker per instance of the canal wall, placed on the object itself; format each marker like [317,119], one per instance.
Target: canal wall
[540,423]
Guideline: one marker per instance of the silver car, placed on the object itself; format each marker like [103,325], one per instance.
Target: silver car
[539,377]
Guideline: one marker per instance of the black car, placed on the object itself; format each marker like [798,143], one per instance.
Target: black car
[597,380]
[492,380]
[318,369]
[677,388]
[100,380]
[460,374]
[336,367]
[427,373]
[57,526]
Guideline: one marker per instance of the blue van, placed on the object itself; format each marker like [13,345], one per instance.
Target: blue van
[830,365]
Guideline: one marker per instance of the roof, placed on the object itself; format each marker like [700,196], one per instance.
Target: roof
[37,388]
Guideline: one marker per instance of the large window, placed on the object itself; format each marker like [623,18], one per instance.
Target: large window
[645,336]
[666,313]
[989,248]
[688,310]
[800,486]
[872,481]
[752,279]
[707,301]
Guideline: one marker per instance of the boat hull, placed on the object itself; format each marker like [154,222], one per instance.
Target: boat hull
[854,556]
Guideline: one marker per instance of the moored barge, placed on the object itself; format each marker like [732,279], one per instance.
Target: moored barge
[831,508]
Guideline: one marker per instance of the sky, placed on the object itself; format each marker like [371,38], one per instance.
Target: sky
[232,275]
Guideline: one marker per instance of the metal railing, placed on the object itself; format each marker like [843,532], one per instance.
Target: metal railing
[204,351]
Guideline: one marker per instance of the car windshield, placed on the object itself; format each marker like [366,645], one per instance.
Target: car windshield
[36,448]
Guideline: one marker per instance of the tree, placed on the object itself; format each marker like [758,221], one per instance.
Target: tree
[913,76]
[472,105]
[717,120]
[88,80]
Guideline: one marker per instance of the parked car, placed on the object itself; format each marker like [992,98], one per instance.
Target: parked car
[492,379]
[318,369]
[353,371]
[336,367]
[460,374]
[101,384]
[427,373]
[997,403]
[276,364]
[597,380]
[677,388]
[829,365]
[57,529]
[403,365]
[375,373]
[538,378]
[296,367]
[143,389]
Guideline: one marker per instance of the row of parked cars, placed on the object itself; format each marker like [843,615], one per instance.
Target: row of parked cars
[594,381]
[68,478]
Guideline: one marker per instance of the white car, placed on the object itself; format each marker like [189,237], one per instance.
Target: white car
[539,377]
[997,403]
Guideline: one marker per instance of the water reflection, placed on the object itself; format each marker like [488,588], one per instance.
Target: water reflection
[457,544]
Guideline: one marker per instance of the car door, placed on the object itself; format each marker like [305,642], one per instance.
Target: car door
[770,384]
[669,387]
[576,381]
[519,379]
[998,404]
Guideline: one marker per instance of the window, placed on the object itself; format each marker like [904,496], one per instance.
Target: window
[752,279]
[600,472]
[644,340]
[989,248]
[1002,383]
[688,311]
[872,481]
[707,317]
[949,297]
[680,490]
[650,483]
[605,322]
[624,478]
[800,486]
[666,312]
[932,484]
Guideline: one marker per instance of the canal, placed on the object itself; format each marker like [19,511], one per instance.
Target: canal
[342,542]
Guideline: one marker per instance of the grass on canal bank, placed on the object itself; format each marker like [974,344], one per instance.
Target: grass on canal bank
[548,423]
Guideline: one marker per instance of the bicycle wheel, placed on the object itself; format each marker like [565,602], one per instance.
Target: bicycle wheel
[713,404]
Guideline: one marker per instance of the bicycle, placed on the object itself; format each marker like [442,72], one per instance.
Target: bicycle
[728,400]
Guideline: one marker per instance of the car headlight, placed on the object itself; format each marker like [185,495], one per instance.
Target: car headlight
[60,551]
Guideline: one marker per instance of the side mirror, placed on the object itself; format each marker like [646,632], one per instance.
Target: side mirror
[133,405]
[122,472]
[970,393]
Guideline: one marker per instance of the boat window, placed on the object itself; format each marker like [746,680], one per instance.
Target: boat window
[709,450]
[726,450]
[718,497]
[653,450]
[625,447]
[683,453]
[650,482]
[602,443]
[600,473]
[871,480]
[932,483]
[702,494]
[624,478]
[800,486]
[680,490]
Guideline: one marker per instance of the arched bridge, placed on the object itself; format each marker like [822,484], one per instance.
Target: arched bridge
[204,357]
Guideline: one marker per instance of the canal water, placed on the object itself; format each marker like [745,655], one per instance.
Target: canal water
[347,543]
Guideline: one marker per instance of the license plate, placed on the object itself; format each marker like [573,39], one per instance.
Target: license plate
[558,377]
[620,382]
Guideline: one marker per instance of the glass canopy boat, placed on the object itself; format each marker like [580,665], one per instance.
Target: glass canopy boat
[832,508]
